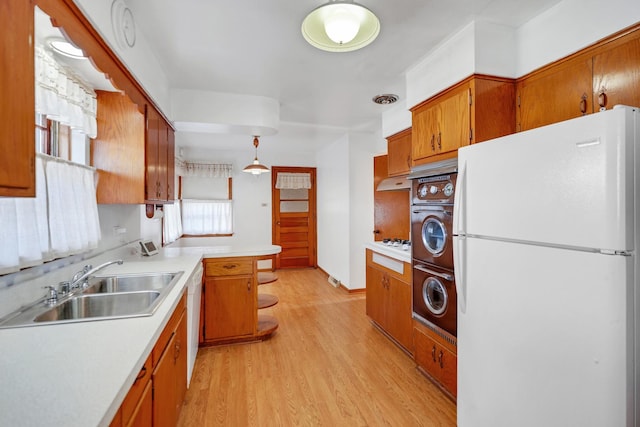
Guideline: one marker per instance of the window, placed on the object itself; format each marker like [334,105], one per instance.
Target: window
[204,206]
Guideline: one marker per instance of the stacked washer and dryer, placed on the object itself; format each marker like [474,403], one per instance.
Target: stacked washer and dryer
[434,288]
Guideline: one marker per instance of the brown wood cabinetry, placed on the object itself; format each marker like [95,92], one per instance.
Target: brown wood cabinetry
[230,302]
[436,356]
[126,141]
[391,208]
[389,299]
[17,103]
[598,77]
[399,153]
[156,397]
[474,110]
[160,158]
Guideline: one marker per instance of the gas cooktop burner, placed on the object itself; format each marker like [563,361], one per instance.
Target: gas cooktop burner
[405,245]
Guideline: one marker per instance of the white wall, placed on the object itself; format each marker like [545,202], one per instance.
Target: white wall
[568,27]
[488,48]
[362,148]
[139,59]
[251,194]
[333,209]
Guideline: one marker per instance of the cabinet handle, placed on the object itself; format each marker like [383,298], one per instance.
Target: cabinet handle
[176,350]
[409,160]
[440,357]
[602,100]
[433,146]
[439,140]
[249,285]
[142,373]
[229,266]
[583,103]
[433,353]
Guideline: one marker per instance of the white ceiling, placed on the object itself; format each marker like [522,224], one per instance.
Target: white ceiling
[255,47]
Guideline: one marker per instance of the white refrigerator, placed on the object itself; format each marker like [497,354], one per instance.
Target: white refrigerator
[545,251]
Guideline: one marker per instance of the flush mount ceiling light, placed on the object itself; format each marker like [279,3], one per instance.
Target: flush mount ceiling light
[65,48]
[256,168]
[340,26]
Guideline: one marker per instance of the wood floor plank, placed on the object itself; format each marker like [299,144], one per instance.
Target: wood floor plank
[326,365]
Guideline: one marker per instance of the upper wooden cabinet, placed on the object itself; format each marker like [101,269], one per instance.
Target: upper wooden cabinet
[616,74]
[474,110]
[134,154]
[160,158]
[557,94]
[17,103]
[598,77]
[399,153]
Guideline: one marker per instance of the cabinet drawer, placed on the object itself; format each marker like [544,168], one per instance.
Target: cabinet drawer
[135,392]
[228,267]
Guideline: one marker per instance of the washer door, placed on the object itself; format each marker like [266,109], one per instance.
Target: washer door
[434,295]
[434,235]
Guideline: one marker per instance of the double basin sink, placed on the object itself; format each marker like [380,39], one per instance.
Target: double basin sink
[105,297]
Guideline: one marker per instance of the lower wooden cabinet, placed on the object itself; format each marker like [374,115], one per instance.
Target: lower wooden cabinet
[436,356]
[389,297]
[156,397]
[230,302]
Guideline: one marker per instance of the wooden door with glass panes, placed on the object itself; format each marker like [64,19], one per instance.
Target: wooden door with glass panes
[294,216]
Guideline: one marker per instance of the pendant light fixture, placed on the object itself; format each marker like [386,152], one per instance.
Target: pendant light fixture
[256,168]
[340,26]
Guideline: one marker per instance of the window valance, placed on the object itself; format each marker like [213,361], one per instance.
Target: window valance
[203,170]
[62,96]
[293,181]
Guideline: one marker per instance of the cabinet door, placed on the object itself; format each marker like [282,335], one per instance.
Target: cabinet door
[163,159]
[554,95]
[399,322]
[437,361]
[616,76]
[143,414]
[425,122]
[153,190]
[171,162]
[118,151]
[377,295]
[164,388]
[17,103]
[399,153]
[180,363]
[230,307]
[455,128]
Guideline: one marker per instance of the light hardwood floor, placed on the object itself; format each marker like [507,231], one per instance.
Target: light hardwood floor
[325,365]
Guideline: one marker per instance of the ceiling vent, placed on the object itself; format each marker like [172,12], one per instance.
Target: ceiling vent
[387,98]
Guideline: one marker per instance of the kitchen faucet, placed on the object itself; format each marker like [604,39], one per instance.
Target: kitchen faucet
[82,275]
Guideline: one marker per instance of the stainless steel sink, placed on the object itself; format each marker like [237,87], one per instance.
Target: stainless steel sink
[106,297]
[130,283]
[114,305]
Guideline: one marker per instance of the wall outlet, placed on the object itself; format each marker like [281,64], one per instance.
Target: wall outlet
[335,282]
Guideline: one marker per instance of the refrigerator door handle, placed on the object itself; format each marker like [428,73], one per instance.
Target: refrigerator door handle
[424,269]
[459,257]
[459,227]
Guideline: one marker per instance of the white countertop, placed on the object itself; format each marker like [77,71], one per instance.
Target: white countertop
[77,374]
[390,251]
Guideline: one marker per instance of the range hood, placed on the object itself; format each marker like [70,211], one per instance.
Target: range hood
[394,183]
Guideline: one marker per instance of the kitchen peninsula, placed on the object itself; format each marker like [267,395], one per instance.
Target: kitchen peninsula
[78,374]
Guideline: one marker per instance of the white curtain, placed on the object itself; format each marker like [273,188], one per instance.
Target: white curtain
[60,221]
[207,217]
[62,96]
[203,170]
[293,181]
[172,222]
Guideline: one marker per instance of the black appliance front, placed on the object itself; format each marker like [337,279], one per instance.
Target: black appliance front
[434,296]
[431,234]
